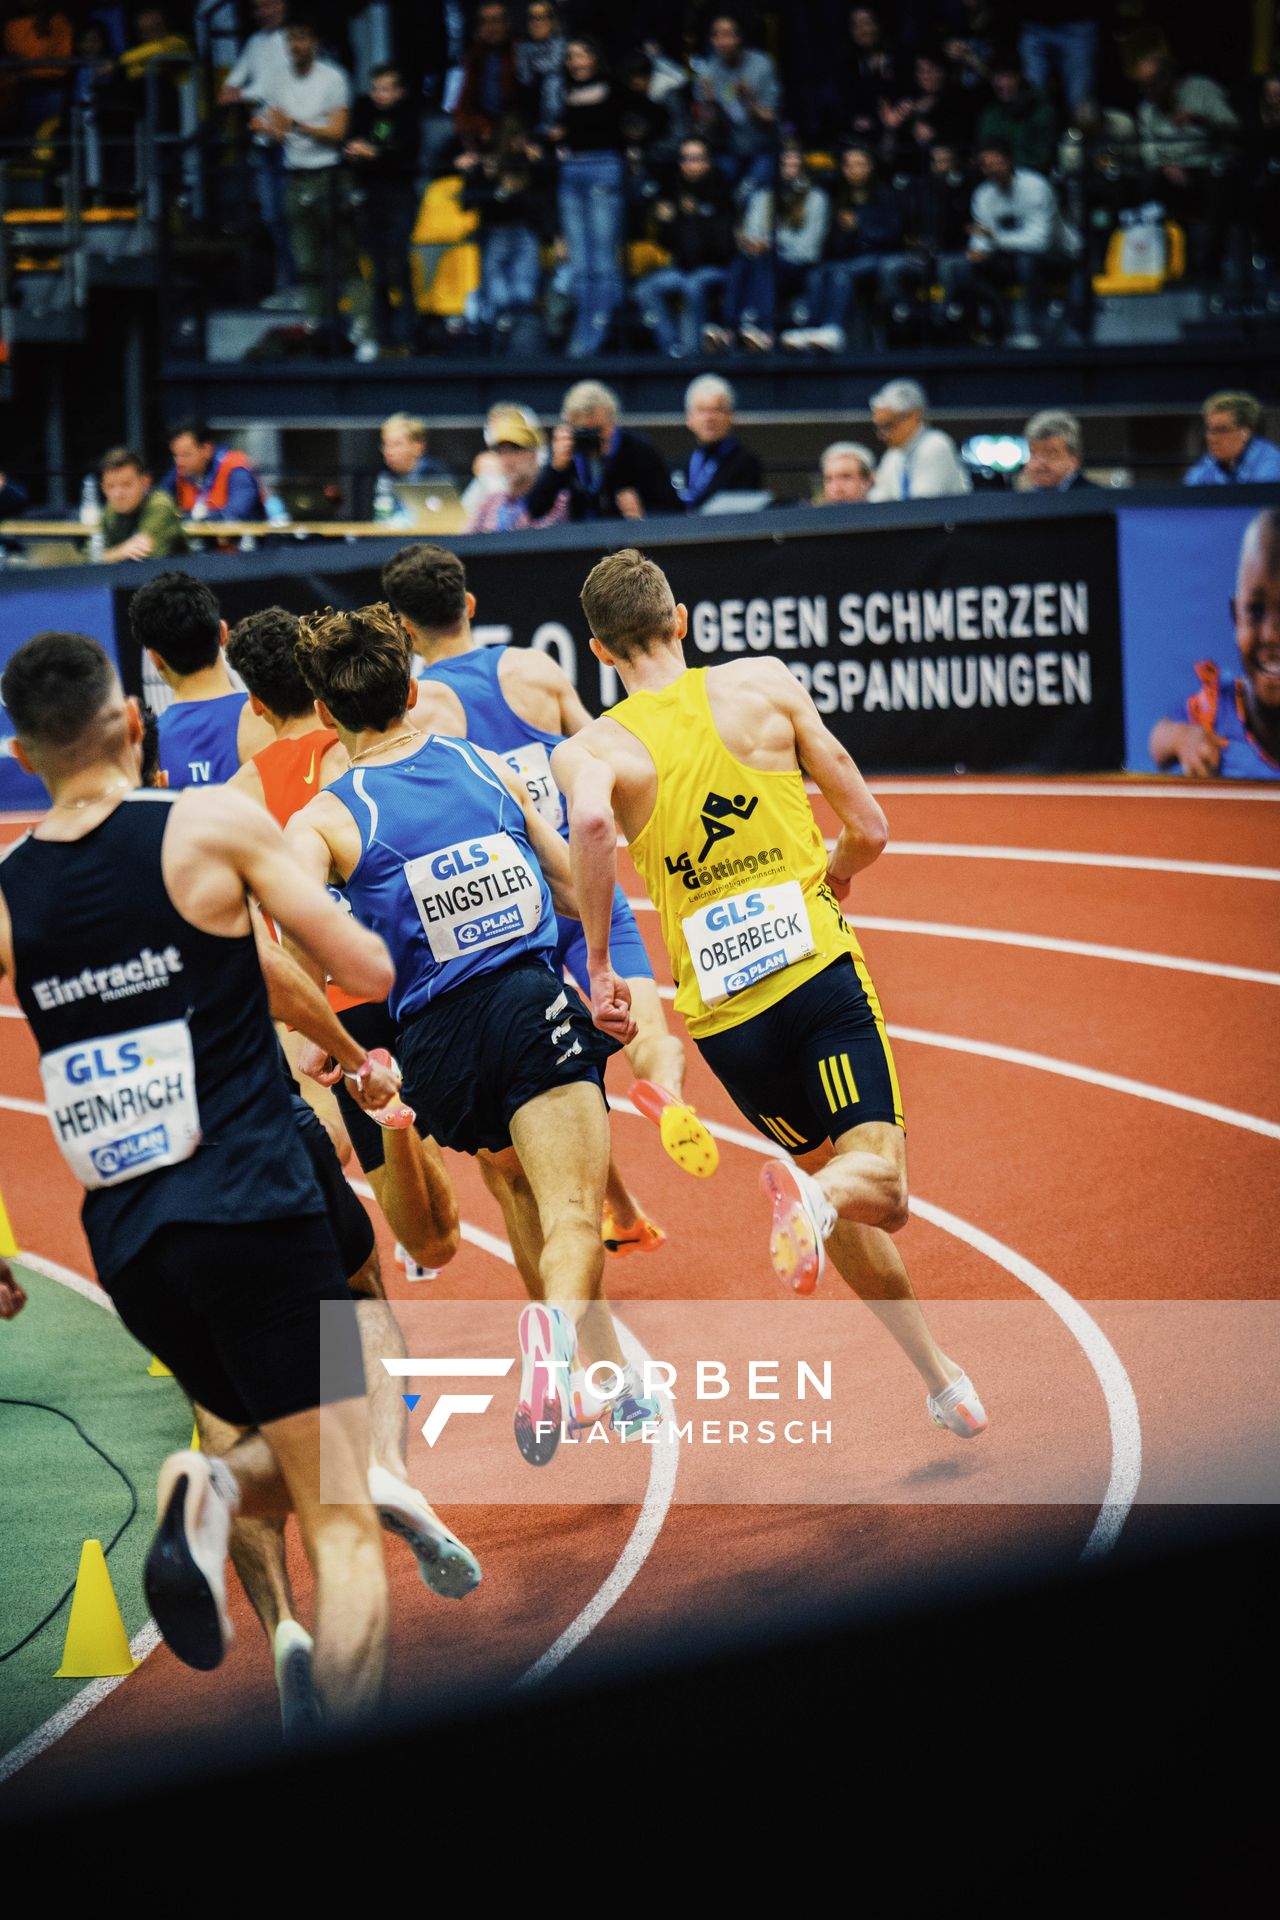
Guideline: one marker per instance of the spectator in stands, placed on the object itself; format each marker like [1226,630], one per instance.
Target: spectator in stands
[647,122]
[1235,455]
[156,41]
[260,72]
[307,112]
[490,88]
[871,74]
[510,188]
[920,462]
[140,521]
[1262,147]
[865,230]
[1056,449]
[1185,124]
[589,138]
[605,472]
[694,223]
[1016,236]
[937,230]
[1062,36]
[513,433]
[404,449]
[780,243]
[937,109]
[1020,116]
[208,481]
[540,66]
[736,98]
[971,51]
[43,36]
[382,149]
[719,462]
[848,473]
[1232,724]
[14,499]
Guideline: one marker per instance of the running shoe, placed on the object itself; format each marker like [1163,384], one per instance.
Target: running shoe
[412,1271]
[185,1576]
[958,1409]
[802,1219]
[632,1409]
[644,1236]
[548,1341]
[301,1714]
[446,1566]
[684,1136]
[395,1114]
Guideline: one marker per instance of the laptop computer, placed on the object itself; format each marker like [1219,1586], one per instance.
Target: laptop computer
[744,500]
[431,506]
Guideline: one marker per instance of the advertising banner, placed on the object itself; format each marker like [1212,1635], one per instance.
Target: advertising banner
[985,647]
[38,609]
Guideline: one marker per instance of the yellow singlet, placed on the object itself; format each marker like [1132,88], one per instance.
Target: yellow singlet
[733,860]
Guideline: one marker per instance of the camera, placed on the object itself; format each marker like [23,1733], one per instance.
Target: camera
[586,440]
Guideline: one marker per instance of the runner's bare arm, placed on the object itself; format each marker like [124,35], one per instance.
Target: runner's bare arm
[295,999]
[587,782]
[547,689]
[552,855]
[295,897]
[864,831]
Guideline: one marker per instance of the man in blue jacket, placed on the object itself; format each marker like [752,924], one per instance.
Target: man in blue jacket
[1236,457]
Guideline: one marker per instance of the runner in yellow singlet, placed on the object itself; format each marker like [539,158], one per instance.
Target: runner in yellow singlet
[703,769]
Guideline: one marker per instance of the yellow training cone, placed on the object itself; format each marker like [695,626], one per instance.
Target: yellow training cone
[195,1436]
[158,1369]
[8,1245]
[97,1644]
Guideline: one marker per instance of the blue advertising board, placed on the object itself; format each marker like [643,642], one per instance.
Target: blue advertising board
[76,609]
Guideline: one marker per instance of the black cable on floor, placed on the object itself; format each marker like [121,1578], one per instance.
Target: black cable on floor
[42,1406]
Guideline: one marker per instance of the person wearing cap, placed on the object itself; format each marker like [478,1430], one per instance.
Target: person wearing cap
[514,435]
[848,472]
[920,462]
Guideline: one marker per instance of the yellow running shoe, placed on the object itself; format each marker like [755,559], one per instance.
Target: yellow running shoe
[644,1237]
[684,1136]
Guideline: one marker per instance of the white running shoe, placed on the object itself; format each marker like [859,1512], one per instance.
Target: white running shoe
[828,339]
[802,1218]
[796,339]
[446,1566]
[548,1344]
[412,1271]
[186,1572]
[958,1409]
[301,1714]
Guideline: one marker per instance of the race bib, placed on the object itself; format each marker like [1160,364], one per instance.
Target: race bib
[533,766]
[126,1105]
[481,893]
[735,942]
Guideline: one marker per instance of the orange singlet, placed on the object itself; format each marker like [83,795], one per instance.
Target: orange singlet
[290,771]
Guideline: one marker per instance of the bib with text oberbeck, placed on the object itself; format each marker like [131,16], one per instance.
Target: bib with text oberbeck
[532,765]
[126,1105]
[737,941]
[480,893]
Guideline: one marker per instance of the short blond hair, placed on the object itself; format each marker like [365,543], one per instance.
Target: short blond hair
[407,423]
[586,397]
[1243,408]
[629,603]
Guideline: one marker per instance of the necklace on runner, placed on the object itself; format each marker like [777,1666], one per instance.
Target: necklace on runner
[76,806]
[383,745]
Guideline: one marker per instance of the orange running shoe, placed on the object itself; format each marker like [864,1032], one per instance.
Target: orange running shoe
[684,1136]
[644,1237]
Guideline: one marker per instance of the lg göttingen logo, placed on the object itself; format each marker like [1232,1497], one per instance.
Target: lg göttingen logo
[719,817]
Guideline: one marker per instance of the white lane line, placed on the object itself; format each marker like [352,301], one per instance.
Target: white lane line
[14,1104]
[1046,943]
[1090,1076]
[12,1013]
[1109,1370]
[144,1641]
[1062,857]
[658,1495]
[960,788]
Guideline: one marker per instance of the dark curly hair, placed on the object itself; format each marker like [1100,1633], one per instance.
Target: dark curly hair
[262,649]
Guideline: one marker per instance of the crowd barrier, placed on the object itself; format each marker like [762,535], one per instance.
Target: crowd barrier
[992,634]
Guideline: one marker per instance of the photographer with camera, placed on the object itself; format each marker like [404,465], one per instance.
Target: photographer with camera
[605,472]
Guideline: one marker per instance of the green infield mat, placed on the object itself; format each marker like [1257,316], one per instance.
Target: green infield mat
[70,1353]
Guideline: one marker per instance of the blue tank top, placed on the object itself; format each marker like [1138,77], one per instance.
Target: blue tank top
[493,723]
[160,1066]
[198,740]
[446,873]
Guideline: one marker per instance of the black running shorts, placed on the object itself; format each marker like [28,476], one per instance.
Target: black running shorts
[481,1052]
[370,1026]
[235,1312]
[814,1064]
[352,1227]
